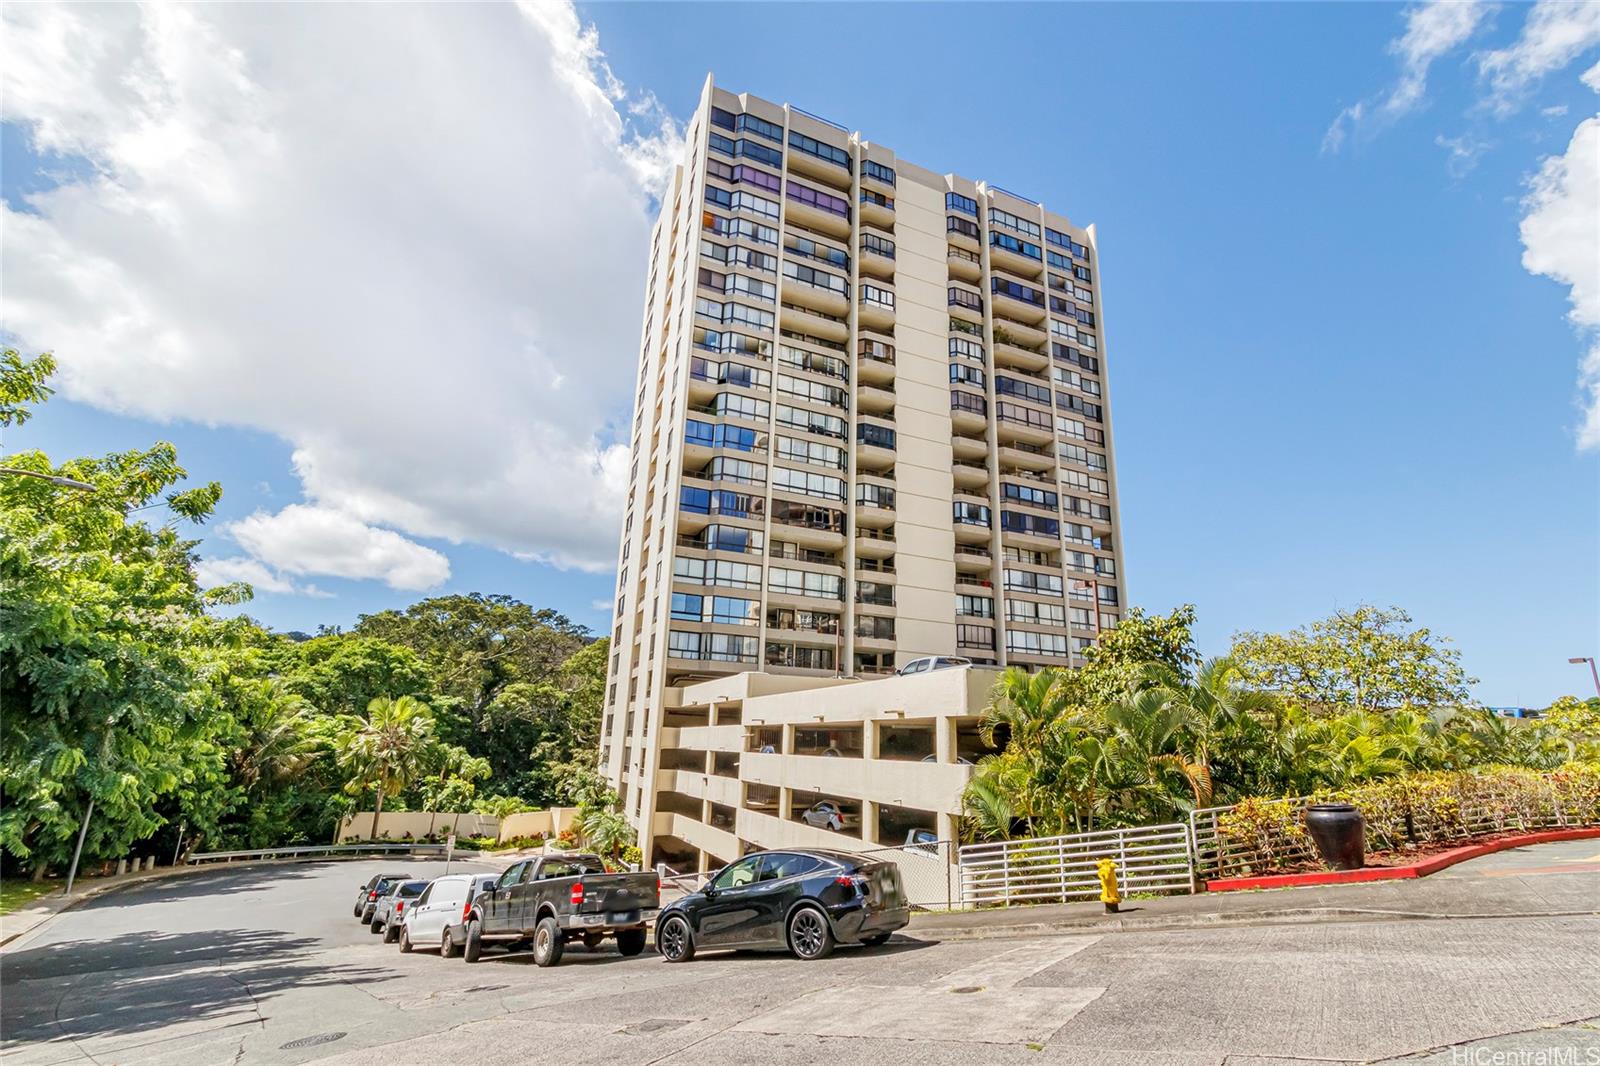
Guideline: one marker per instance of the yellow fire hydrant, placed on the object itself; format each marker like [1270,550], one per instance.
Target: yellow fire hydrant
[1106,870]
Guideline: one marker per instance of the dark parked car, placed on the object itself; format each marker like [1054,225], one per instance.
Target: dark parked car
[801,901]
[391,908]
[377,888]
[364,893]
[549,900]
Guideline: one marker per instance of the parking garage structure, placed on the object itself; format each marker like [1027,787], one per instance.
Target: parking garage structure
[758,761]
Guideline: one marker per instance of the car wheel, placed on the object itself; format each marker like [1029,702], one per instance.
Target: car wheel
[875,940]
[391,933]
[374,926]
[366,917]
[547,943]
[592,941]
[355,912]
[630,941]
[674,940]
[474,948]
[405,940]
[447,945]
[809,935]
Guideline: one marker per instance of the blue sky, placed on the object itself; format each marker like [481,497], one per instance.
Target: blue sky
[1333,379]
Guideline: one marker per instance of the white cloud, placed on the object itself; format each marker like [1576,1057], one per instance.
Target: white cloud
[1591,77]
[1463,153]
[411,241]
[1433,29]
[214,572]
[1553,111]
[1554,34]
[1561,240]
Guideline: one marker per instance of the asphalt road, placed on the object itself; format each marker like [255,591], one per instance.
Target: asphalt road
[266,965]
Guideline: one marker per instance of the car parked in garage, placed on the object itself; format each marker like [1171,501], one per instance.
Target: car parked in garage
[830,815]
[438,918]
[372,891]
[391,908]
[548,900]
[804,902]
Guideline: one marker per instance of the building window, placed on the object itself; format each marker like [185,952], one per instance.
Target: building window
[687,607]
[1024,642]
[974,606]
[1034,525]
[969,514]
[877,172]
[1014,244]
[971,636]
[1033,581]
[877,436]
[961,225]
[813,147]
[954,201]
[805,194]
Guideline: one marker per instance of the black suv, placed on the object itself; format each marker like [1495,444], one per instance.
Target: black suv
[804,902]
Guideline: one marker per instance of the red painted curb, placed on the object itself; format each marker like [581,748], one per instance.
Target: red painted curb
[1420,868]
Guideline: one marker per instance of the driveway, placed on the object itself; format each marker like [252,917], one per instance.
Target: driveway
[266,965]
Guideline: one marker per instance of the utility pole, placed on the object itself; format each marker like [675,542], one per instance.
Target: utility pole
[83,831]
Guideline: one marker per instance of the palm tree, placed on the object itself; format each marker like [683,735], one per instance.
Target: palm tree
[389,750]
[277,741]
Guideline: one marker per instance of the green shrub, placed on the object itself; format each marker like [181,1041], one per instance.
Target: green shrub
[1415,810]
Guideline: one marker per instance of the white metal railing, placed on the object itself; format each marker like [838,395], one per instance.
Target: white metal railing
[1212,859]
[312,851]
[1153,858]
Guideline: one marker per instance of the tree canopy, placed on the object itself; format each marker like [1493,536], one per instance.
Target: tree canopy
[1366,659]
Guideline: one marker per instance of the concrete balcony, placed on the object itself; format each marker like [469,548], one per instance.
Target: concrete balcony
[1015,262]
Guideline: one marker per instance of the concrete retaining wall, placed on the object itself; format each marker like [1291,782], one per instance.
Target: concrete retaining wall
[402,825]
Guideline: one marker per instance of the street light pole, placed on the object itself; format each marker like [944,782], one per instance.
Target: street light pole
[1595,674]
[83,831]
[81,486]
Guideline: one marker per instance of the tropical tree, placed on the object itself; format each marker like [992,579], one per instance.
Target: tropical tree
[1364,659]
[105,718]
[388,750]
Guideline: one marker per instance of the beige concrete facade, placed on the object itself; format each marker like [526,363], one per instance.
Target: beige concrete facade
[871,424]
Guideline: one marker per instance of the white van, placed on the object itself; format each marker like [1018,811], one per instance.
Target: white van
[437,917]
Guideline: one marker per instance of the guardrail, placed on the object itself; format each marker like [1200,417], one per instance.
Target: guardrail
[313,851]
[1152,858]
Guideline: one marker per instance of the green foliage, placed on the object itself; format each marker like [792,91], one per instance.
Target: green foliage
[105,650]
[1176,736]
[1365,660]
[388,751]
[1430,807]
[22,385]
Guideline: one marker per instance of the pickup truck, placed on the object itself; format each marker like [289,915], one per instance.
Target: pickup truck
[551,899]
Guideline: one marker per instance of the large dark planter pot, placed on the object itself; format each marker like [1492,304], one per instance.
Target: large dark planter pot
[1340,834]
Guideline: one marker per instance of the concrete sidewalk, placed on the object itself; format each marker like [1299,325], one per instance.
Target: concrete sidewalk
[1493,887]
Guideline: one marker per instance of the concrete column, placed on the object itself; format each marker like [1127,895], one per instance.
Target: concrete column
[869,822]
[703,864]
[944,739]
[788,741]
[869,738]
[785,803]
[122,867]
[945,825]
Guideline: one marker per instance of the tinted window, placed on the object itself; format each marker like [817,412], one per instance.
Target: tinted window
[740,873]
[777,867]
[427,894]
[412,889]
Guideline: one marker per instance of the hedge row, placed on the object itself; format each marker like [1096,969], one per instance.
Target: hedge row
[1263,835]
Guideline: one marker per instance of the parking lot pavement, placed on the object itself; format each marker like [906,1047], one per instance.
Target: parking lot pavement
[268,966]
